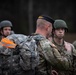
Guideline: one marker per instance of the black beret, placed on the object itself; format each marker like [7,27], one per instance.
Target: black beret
[47,18]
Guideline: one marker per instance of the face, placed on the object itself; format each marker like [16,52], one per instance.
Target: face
[6,31]
[59,33]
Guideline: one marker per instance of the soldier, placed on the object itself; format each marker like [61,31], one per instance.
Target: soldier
[65,49]
[49,55]
[5,28]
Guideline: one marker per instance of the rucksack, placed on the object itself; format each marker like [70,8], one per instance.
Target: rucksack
[29,57]
[27,48]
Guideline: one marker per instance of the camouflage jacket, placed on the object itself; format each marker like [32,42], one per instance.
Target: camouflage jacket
[43,68]
[74,43]
[49,54]
[66,50]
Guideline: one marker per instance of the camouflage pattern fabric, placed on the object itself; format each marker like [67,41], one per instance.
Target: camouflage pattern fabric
[74,43]
[70,55]
[49,53]
[18,38]
[20,59]
[29,55]
[53,56]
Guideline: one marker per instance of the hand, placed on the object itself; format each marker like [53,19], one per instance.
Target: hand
[53,72]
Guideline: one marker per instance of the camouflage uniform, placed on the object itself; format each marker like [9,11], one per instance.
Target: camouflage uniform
[11,58]
[74,43]
[3,24]
[66,50]
[49,56]
[21,60]
[42,68]
[68,53]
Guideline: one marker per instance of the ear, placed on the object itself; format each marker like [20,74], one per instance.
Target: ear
[46,27]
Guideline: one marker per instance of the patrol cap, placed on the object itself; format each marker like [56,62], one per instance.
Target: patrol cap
[5,23]
[47,18]
[60,24]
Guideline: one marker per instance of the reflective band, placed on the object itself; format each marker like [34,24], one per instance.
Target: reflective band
[7,43]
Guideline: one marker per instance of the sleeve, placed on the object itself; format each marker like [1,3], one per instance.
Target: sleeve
[74,51]
[74,43]
[52,55]
[74,58]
